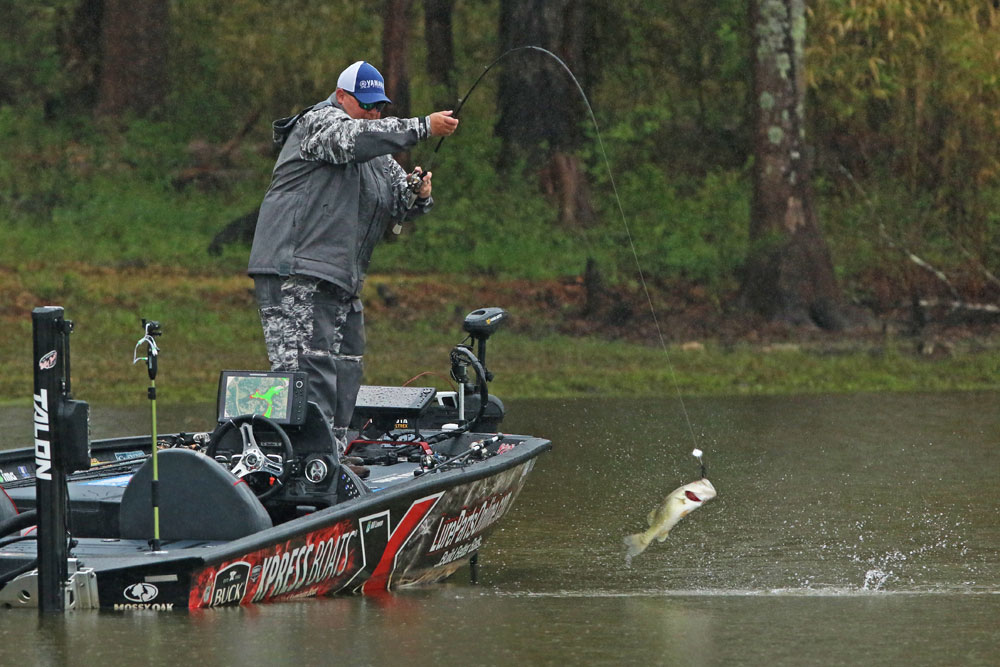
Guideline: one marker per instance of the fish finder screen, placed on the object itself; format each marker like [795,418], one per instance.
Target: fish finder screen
[277,396]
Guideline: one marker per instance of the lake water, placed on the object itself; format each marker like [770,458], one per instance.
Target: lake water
[848,530]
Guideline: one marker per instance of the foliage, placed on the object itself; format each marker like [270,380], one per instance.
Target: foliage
[905,94]
[904,105]
[679,99]
[31,66]
[700,236]
[281,56]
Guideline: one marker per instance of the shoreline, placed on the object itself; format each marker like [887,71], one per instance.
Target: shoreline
[560,342]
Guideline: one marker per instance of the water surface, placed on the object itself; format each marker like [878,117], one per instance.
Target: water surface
[848,530]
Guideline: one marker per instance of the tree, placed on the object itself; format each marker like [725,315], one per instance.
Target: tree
[540,109]
[395,54]
[789,272]
[79,43]
[910,115]
[133,69]
[440,51]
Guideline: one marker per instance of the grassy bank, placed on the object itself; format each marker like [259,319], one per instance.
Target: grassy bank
[97,220]
[210,323]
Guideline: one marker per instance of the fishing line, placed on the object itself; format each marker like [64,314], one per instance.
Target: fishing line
[618,201]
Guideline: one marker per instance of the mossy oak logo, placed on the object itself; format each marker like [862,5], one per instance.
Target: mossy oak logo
[141,592]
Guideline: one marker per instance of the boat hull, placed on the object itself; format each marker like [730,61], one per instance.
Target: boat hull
[418,532]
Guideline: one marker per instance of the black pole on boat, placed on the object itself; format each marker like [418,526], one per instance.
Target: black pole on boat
[50,477]
[62,445]
[151,329]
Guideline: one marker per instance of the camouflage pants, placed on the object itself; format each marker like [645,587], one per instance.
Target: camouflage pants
[314,326]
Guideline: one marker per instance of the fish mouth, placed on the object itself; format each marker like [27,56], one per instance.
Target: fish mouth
[691,496]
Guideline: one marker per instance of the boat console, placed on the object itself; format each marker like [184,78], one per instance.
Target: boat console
[272,437]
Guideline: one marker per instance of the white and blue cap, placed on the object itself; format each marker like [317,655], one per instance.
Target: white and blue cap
[363,82]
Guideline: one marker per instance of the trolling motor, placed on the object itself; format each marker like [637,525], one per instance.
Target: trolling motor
[480,325]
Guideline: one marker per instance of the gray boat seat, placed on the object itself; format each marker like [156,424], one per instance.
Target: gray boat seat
[7,508]
[199,500]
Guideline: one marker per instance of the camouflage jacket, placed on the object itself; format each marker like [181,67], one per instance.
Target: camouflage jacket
[334,191]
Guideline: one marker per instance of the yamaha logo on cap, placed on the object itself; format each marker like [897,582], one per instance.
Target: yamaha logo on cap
[364,82]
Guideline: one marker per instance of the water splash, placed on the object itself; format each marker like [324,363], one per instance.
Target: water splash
[875,579]
[934,532]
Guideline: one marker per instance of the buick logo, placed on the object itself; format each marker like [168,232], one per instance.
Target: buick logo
[141,592]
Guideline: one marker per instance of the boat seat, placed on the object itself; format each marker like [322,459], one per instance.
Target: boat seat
[199,500]
[7,509]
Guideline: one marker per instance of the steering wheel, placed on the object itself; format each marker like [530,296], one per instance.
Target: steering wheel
[253,460]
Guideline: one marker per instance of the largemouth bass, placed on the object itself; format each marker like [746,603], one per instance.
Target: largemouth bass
[677,505]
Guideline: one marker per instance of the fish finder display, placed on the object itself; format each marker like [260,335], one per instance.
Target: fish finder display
[278,396]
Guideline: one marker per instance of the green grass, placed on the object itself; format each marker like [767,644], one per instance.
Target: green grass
[93,222]
[210,323]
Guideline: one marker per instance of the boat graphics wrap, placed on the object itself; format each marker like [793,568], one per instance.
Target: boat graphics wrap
[455,530]
[319,562]
[420,541]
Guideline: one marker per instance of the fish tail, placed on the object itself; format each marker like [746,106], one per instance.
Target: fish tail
[635,544]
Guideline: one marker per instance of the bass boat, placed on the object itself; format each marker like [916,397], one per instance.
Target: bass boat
[259,507]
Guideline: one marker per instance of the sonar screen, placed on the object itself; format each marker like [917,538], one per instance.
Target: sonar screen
[279,396]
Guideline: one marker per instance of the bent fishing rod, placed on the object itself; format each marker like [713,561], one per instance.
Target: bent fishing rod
[462,100]
[415,180]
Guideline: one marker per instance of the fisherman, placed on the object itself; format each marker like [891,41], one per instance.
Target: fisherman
[334,192]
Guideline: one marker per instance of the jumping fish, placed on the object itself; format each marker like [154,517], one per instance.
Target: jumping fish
[677,505]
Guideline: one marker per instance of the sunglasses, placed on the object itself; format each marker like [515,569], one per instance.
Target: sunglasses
[368,106]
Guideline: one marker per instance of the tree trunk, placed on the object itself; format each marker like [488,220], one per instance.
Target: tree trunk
[80,49]
[789,273]
[134,36]
[440,52]
[395,54]
[540,108]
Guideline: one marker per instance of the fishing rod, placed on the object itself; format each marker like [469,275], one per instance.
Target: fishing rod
[614,187]
[462,100]
[151,329]
[415,178]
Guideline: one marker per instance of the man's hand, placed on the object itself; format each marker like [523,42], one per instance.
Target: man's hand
[425,182]
[443,124]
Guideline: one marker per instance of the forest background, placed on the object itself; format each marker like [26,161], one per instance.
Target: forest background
[113,190]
